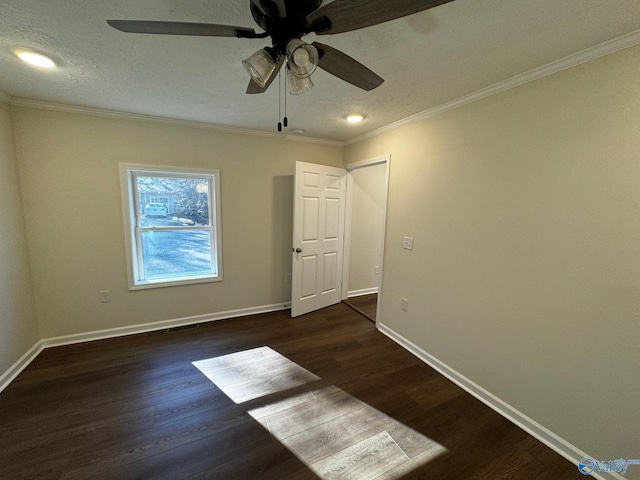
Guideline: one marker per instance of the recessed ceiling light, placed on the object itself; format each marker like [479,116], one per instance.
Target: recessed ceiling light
[355,118]
[36,59]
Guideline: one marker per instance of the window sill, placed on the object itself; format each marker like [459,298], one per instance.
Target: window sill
[176,282]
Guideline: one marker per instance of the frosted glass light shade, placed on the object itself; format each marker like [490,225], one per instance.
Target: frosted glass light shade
[259,66]
[302,57]
[297,85]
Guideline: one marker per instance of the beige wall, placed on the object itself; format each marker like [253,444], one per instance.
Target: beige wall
[70,181]
[367,223]
[18,323]
[525,273]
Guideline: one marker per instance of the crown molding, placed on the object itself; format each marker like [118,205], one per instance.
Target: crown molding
[65,108]
[611,46]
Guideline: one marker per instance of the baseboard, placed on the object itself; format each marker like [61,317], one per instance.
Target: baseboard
[364,291]
[161,325]
[23,362]
[546,436]
[7,377]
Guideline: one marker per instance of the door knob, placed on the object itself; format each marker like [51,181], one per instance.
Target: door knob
[298,250]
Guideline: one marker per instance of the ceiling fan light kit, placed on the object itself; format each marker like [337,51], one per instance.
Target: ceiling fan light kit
[286,22]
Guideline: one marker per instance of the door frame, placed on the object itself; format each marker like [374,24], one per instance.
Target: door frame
[350,167]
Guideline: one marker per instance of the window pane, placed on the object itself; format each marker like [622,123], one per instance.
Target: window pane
[172,225]
[148,221]
[176,253]
[181,199]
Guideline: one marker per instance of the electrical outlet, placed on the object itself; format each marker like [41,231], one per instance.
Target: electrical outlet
[105,296]
[376,270]
[404,305]
[407,243]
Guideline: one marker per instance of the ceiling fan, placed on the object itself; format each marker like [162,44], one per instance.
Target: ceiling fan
[286,22]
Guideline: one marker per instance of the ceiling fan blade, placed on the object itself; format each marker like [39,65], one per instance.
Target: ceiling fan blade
[254,88]
[348,69]
[178,28]
[282,8]
[279,5]
[266,6]
[348,15]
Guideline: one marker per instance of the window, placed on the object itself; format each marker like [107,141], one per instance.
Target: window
[172,225]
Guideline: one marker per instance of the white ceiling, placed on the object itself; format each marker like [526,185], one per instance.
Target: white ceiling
[427,59]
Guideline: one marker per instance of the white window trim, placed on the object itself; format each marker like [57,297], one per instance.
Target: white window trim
[130,209]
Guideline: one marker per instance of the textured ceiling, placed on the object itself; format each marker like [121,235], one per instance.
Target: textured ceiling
[427,59]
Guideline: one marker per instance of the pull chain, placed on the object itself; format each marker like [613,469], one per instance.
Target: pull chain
[279,100]
[286,121]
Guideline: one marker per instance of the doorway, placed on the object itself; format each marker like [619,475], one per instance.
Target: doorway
[338,234]
[367,191]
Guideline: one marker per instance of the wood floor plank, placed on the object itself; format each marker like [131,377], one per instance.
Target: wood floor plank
[158,441]
[302,417]
[368,458]
[69,432]
[179,408]
[414,464]
[50,464]
[330,437]
[185,459]
[282,405]
[268,462]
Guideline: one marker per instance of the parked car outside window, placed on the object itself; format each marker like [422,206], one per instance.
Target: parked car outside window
[155,210]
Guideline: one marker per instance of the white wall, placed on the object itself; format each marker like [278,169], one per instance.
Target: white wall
[18,322]
[70,183]
[525,273]
[367,224]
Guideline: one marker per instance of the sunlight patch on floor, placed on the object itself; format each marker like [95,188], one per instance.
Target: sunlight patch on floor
[336,435]
[254,373]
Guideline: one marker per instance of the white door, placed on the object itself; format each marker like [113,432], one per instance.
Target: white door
[318,237]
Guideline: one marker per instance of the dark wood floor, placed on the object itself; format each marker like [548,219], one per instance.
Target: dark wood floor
[366,305]
[137,408]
